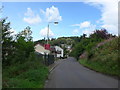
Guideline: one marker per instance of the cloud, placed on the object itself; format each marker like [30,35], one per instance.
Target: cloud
[84,24]
[86,27]
[112,28]
[42,11]
[29,12]
[31,18]
[109,13]
[75,31]
[13,32]
[89,30]
[43,32]
[52,14]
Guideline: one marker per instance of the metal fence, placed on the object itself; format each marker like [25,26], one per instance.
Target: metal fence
[45,59]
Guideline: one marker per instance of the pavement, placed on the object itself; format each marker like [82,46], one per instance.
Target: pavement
[68,73]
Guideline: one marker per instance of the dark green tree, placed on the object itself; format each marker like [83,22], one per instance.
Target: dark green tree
[24,45]
[100,34]
[8,46]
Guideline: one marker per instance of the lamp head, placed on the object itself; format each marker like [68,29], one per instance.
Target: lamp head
[55,22]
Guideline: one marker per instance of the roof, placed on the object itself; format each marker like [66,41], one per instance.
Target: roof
[39,48]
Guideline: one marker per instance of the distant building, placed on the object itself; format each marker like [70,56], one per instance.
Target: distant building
[63,45]
[59,51]
[40,49]
[69,47]
[54,50]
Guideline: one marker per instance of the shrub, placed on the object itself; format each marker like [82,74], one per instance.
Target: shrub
[104,59]
[31,74]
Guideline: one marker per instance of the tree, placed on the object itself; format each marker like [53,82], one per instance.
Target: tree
[7,43]
[17,50]
[100,34]
[25,33]
[69,41]
[24,45]
[83,36]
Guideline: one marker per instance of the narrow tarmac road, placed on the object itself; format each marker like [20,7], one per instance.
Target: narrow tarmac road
[70,74]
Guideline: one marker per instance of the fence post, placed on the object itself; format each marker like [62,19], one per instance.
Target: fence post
[45,58]
[48,59]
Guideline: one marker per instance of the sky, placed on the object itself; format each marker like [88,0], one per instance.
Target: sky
[75,18]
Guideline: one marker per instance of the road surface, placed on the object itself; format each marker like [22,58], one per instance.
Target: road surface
[70,74]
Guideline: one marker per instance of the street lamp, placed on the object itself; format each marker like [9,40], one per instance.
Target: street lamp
[48,30]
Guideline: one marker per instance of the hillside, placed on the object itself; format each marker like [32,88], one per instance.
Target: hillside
[104,58]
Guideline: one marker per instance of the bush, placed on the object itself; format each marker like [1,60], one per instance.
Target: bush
[90,54]
[85,45]
[104,59]
[31,74]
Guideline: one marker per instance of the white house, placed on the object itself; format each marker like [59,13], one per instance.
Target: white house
[40,49]
[59,51]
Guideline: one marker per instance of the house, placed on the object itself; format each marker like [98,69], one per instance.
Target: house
[62,45]
[59,51]
[40,49]
[69,47]
[53,50]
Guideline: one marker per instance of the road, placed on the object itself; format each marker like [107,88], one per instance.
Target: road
[70,74]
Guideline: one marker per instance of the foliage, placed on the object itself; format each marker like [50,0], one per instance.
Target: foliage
[31,74]
[23,49]
[100,34]
[77,50]
[42,41]
[58,41]
[16,50]
[87,43]
[102,67]
[107,51]
[69,41]
[104,58]
[7,43]
[21,67]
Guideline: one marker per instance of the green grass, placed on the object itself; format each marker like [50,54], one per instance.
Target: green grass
[103,67]
[31,74]
[104,59]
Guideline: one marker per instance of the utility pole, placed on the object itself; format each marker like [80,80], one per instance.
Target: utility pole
[48,30]
[48,34]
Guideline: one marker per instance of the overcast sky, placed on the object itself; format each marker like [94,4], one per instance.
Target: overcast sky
[74,18]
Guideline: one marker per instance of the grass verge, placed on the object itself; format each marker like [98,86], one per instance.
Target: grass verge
[102,67]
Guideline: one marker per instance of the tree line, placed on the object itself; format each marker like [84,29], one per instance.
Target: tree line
[87,43]
[17,48]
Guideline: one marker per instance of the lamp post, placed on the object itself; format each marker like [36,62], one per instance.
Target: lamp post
[48,30]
